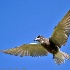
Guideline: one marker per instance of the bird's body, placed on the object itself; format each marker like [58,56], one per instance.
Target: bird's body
[47,45]
[52,48]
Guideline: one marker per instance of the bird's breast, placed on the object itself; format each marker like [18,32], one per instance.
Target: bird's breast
[52,48]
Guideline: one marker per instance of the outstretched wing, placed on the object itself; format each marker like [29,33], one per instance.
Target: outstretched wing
[27,50]
[62,31]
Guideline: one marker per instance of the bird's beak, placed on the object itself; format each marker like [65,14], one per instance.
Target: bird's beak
[35,40]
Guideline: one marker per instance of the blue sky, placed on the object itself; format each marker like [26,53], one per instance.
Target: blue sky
[20,22]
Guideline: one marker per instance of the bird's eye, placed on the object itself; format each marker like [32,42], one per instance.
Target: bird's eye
[38,36]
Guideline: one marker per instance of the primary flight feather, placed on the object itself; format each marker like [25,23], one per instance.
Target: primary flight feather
[47,45]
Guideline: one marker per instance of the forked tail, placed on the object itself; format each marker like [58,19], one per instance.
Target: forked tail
[60,57]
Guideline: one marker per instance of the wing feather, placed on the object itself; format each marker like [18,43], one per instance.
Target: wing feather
[62,31]
[27,50]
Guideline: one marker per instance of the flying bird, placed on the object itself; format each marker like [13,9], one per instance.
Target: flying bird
[45,46]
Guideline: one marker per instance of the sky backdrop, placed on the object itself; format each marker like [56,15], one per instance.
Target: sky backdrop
[20,22]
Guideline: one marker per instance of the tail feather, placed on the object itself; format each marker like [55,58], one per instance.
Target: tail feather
[67,56]
[58,61]
[60,57]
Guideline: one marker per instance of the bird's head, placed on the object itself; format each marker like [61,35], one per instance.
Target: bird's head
[39,38]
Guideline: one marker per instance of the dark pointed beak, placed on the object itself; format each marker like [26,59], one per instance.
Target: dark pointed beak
[35,39]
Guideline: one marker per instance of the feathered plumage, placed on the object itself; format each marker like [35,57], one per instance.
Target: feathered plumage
[47,45]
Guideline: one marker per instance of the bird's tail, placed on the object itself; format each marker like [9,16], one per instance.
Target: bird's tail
[60,57]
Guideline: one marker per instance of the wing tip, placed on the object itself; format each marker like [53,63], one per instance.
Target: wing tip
[1,50]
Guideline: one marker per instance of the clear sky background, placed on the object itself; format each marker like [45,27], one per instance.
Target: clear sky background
[20,22]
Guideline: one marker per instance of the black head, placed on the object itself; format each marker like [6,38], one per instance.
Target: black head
[38,38]
[42,40]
